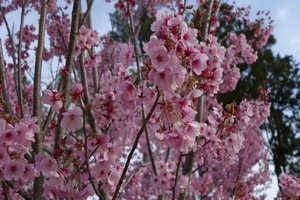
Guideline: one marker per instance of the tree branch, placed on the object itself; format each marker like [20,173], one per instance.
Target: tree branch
[3,83]
[38,144]
[19,91]
[12,49]
[21,192]
[135,145]
[65,82]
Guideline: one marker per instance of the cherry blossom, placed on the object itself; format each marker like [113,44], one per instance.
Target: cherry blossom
[13,170]
[72,119]
[53,98]
[47,165]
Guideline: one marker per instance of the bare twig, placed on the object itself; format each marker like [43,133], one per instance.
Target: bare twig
[4,190]
[88,165]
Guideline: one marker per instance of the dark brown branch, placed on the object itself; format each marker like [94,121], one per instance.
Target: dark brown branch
[176,176]
[21,192]
[5,190]
[88,165]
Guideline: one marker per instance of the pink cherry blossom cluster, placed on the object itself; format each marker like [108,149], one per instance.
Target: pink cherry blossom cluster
[87,38]
[58,31]
[290,186]
[15,145]
[261,30]
[53,98]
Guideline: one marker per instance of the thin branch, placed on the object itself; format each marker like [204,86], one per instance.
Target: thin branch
[134,35]
[21,192]
[5,190]
[135,145]
[239,172]
[168,154]
[176,176]
[3,83]
[65,81]
[87,12]
[95,68]
[134,172]
[20,95]
[218,9]
[38,144]
[86,97]
[12,49]
[87,163]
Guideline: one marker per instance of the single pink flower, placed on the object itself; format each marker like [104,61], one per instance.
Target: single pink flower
[53,98]
[47,165]
[198,63]
[9,137]
[14,170]
[128,91]
[77,88]
[81,42]
[72,119]
[159,57]
[29,174]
